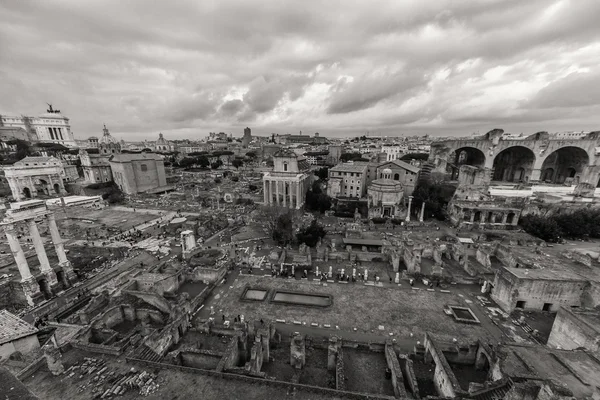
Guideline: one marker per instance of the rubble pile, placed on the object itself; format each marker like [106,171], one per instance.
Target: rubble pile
[106,383]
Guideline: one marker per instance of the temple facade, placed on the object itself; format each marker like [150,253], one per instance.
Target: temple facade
[289,181]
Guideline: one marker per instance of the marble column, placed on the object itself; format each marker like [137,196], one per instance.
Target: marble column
[407,219]
[292,190]
[41,253]
[422,216]
[504,218]
[472,216]
[277,192]
[265,191]
[59,246]
[17,251]
[298,195]
[285,185]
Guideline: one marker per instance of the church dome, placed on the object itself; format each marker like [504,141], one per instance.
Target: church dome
[387,171]
[107,138]
[161,140]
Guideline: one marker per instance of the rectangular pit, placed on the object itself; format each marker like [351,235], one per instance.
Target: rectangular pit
[301,299]
[464,314]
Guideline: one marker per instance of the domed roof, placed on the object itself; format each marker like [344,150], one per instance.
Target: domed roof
[387,171]
[107,138]
[161,139]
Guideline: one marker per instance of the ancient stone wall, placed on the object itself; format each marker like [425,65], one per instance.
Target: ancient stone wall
[394,366]
[570,331]
[408,374]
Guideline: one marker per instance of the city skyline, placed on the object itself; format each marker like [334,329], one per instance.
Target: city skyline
[396,68]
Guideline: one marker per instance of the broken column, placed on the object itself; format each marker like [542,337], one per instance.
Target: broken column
[407,219]
[421,217]
[45,268]
[297,351]
[188,243]
[28,282]
[335,343]
[59,246]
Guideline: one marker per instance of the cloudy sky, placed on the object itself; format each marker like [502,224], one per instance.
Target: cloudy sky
[337,67]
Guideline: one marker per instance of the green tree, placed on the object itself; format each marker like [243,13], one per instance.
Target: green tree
[187,162]
[237,163]
[216,164]
[435,196]
[203,161]
[352,157]
[544,228]
[284,229]
[311,234]
[415,156]
[322,173]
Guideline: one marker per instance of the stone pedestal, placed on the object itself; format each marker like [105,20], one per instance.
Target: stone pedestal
[31,290]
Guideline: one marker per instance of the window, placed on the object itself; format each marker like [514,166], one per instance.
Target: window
[144,167]
[285,166]
[520,304]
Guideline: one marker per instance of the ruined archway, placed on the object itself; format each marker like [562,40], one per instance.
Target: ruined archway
[514,164]
[56,188]
[27,193]
[547,175]
[464,156]
[567,163]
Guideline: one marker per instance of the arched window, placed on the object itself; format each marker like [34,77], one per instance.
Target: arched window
[285,166]
[396,177]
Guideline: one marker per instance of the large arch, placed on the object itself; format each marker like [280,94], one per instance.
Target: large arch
[514,164]
[465,156]
[565,163]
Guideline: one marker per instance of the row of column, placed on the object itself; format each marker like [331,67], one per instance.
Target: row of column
[484,217]
[294,189]
[421,215]
[19,255]
[54,133]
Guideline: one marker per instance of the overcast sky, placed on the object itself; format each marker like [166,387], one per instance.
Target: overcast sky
[345,67]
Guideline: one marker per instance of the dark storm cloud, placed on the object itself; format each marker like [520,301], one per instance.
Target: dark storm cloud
[194,66]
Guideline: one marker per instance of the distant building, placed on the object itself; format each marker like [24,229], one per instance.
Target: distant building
[335,152]
[96,168]
[348,180]
[402,172]
[289,181]
[33,176]
[316,157]
[393,152]
[385,196]
[162,145]
[247,137]
[136,173]
[302,139]
[92,142]
[51,127]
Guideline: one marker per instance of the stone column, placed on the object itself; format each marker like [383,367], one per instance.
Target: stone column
[482,217]
[277,192]
[59,246]
[298,195]
[29,284]
[285,184]
[407,219]
[292,190]
[41,253]
[17,251]
[265,191]
[504,218]
[421,217]
[472,216]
